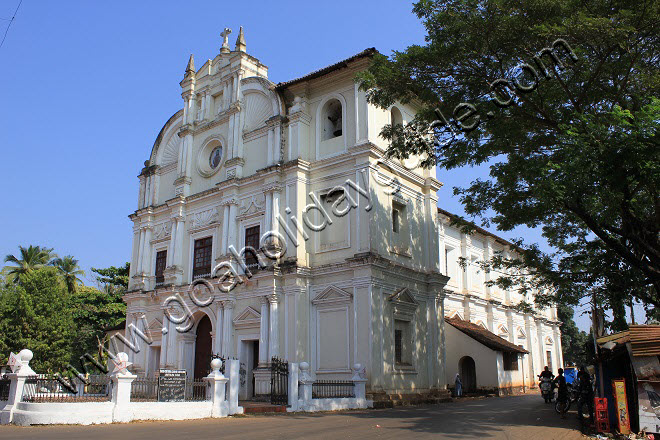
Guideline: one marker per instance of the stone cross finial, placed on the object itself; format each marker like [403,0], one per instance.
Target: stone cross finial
[225,41]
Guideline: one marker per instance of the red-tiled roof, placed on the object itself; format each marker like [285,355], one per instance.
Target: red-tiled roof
[324,71]
[483,336]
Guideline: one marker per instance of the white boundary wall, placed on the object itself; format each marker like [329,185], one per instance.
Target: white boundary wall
[119,408]
[300,392]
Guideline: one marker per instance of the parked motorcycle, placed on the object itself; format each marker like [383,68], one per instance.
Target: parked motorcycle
[547,389]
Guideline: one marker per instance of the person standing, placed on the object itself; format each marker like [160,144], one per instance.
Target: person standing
[562,392]
[458,385]
[586,394]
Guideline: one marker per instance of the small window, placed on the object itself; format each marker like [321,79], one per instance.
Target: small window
[395,220]
[252,236]
[398,346]
[548,355]
[447,251]
[202,258]
[398,216]
[402,343]
[331,118]
[161,261]
[510,361]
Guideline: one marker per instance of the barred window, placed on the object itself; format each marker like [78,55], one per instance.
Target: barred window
[202,258]
[161,261]
[252,236]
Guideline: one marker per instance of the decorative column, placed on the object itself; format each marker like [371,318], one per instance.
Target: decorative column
[225,230]
[228,308]
[172,342]
[264,333]
[273,340]
[174,271]
[147,270]
[466,244]
[232,238]
[219,330]
[164,341]
[140,252]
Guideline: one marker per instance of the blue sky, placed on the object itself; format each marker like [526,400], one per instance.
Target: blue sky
[88,86]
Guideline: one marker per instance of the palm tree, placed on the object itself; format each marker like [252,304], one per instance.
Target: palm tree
[69,270]
[31,258]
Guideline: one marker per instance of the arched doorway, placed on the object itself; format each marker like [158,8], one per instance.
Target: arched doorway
[203,347]
[468,372]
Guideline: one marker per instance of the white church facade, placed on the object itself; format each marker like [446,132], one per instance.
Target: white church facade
[354,264]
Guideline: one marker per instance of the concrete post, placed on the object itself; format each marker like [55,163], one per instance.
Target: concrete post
[359,382]
[121,389]
[217,382]
[293,386]
[305,382]
[233,366]
[17,385]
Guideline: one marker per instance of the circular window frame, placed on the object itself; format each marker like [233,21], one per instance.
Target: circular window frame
[204,156]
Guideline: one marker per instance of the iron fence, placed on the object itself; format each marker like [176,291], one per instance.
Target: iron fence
[55,388]
[196,390]
[144,389]
[326,389]
[5,384]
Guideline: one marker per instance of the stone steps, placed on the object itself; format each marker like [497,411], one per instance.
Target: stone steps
[385,400]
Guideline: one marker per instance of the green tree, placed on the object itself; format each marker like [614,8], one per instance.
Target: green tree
[112,276]
[30,259]
[35,314]
[69,271]
[573,340]
[93,312]
[570,134]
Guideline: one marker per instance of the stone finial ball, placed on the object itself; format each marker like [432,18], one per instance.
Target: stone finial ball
[304,366]
[216,364]
[357,367]
[25,355]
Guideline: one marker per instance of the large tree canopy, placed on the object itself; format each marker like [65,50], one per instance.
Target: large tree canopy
[36,314]
[558,98]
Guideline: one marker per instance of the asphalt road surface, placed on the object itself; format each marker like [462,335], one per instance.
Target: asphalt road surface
[520,417]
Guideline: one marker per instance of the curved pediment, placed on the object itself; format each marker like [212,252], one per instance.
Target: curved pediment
[166,147]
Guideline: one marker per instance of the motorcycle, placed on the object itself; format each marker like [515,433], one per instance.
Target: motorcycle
[547,389]
[573,396]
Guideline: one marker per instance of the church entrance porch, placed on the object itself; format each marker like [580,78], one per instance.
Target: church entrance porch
[203,348]
[249,359]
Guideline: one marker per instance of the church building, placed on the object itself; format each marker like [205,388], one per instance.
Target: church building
[270,225]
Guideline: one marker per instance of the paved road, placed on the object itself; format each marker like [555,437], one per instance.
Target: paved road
[522,417]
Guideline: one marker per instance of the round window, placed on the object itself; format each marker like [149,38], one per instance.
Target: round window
[215,158]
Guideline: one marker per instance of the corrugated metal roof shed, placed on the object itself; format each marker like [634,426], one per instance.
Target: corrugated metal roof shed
[645,340]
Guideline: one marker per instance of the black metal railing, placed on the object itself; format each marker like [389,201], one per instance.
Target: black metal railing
[197,390]
[279,382]
[326,389]
[5,384]
[56,388]
[144,389]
